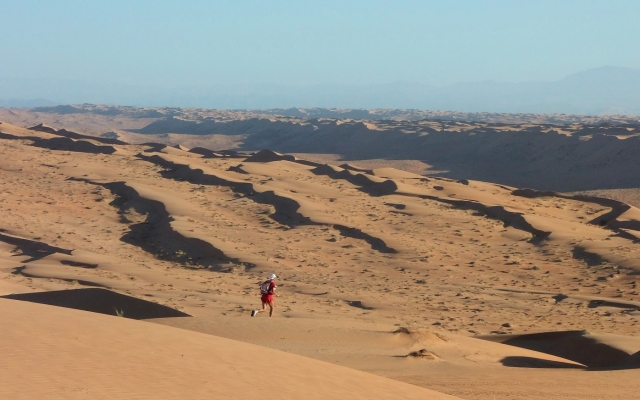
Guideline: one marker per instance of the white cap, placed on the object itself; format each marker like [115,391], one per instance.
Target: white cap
[272,276]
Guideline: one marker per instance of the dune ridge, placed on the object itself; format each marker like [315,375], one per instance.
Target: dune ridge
[74,135]
[287,209]
[481,152]
[612,220]
[63,143]
[156,235]
[387,187]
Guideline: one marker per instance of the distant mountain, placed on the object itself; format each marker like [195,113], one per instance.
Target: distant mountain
[605,90]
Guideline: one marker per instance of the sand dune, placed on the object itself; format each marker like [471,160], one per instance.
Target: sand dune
[103,357]
[73,135]
[463,366]
[391,346]
[521,150]
[289,209]
[269,156]
[64,143]
[517,155]
[380,270]
[592,350]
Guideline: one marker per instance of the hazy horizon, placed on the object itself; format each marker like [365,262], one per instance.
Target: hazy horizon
[357,54]
[599,91]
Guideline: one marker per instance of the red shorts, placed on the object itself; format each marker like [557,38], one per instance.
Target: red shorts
[267,298]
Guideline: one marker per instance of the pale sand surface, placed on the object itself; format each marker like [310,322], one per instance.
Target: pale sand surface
[465,367]
[360,252]
[57,353]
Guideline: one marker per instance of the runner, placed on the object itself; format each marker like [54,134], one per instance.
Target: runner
[267,291]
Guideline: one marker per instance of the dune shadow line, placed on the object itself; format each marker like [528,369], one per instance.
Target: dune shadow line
[100,301]
[532,362]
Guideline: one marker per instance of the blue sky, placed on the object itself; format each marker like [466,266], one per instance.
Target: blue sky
[192,43]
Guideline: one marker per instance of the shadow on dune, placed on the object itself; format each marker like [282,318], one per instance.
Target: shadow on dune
[206,153]
[100,301]
[608,220]
[27,274]
[374,186]
[63,144]
[156,235]
[590,350]
[632,362]
[628,306]
[286,208]
[358,304]
[375,243]
[32,248]
[74,135]
[504,153]
[532,362]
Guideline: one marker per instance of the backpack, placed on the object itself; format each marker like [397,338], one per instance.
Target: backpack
[265,286]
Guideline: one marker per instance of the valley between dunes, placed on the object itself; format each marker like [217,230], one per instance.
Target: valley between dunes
[392,284]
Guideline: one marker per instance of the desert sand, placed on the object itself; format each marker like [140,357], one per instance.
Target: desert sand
[558,152]
[458,287]
[73,354]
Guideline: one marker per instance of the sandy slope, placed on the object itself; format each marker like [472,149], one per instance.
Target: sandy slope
[57,353]
[196,231]
[466,367]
